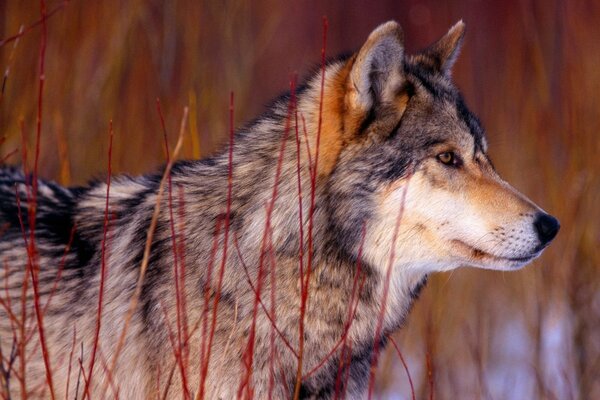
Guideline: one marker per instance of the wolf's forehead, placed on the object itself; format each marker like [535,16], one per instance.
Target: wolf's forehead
[442,91]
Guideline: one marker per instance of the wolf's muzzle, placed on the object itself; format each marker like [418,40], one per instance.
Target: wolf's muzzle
[546,227]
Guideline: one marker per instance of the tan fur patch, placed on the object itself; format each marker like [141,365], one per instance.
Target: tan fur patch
[401,102]
[341,119]
[332,126]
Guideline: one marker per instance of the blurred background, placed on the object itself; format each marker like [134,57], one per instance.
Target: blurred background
[529,69]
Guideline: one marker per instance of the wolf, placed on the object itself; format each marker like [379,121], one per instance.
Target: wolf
[277,267]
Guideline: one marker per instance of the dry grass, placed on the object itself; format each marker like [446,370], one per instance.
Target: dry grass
[530,69]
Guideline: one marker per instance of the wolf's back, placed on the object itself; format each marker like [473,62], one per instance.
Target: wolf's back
[54,209]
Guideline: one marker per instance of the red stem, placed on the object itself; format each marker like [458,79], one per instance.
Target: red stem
[249,353]
[313,182]
[352,307]
[245,268]
[386,288]
[70,361]
[32,208]
[225,247]
[430,375]
[41,21]
[22,339]
[182,270]
[178,312]
[102,267]
[204,317]
[412,387]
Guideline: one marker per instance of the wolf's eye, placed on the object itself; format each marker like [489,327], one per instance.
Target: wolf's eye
[449,158]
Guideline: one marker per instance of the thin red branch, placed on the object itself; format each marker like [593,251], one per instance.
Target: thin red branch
[7,70]
[182,273]
[430,375]
[273,281]
[300,211]
[41,21]
[386,287]
[245,268]
[204,316]
[10,154]
[32,207]
[352,307]
[103,266]
[70,361]
[25,284]
[149,240]
[217,296]
[304,298]
[109,375]
[249,353]
[178,312]
[410,382]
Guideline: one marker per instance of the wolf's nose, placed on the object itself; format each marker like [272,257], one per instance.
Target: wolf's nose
[547,227]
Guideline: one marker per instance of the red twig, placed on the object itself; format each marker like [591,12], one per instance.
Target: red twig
[249,353]
[41,21]
[23,322]
[109,375]
[273,316]
[352,307]
[283,379]
[429,375]
[147,247]
[8,65]
[176,349]
[182,273]
[70,361]
[298,169]
[178,294]
[32,208]
[7,304]
[304,298]
[6,157]
[103,266]
[386,287]
[170,334]
[356,291]
[25,284]
[412,387]
[204,316]
[82,372]
[225,246]
[245,268]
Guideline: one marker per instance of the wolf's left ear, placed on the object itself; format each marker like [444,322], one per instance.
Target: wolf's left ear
[442,54]
[376,73]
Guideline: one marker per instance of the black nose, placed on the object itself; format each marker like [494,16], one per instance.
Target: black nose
[547,227]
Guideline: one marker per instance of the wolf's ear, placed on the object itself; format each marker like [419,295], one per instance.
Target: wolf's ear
[376,73]
[442,54]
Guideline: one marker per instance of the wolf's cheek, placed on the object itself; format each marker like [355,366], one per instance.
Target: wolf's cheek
[417,222]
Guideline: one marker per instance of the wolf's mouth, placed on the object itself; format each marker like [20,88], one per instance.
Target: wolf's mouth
[479,255]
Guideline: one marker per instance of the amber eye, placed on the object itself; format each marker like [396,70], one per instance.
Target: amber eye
[448,158]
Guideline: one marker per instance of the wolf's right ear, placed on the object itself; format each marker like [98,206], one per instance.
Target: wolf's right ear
[376,74]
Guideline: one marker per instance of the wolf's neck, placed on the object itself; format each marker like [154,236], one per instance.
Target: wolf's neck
[281,150]
[375,294]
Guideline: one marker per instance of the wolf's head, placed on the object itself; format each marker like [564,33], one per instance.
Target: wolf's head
[403,151]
